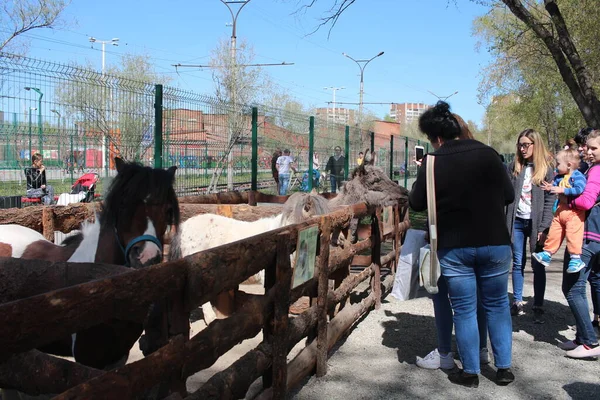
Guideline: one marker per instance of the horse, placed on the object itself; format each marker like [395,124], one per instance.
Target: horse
[369,184]
[206,231]
[139,207]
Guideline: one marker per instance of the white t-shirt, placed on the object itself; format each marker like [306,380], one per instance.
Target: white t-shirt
[284,164]
[524,206]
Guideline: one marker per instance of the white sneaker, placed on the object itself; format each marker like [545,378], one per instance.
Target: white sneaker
[584,351]
[435,360]
[484,356]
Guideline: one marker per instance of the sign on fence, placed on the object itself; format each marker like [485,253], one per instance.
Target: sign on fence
[306,253]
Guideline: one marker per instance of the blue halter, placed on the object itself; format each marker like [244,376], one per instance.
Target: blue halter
[134,241]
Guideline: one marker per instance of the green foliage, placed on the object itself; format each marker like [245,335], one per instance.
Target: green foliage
[523,80]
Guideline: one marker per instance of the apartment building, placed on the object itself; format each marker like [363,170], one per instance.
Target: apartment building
[338,115]
[406,113]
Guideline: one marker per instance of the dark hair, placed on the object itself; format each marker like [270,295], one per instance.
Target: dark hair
[361,153]
[286,151]
[438,122]
[35,157]
[582,135]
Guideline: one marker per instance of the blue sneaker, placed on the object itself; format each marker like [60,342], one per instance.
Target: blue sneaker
[575,265]
[543,257]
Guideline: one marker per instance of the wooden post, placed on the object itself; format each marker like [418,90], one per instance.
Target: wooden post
[323,288]
[270,280]
[397,244]
[48,223]
[376,256]
[280,318]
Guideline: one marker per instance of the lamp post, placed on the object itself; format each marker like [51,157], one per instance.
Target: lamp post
[30,150]
[233,88]
[114,42]
[334,89]
[59,135]
[444,98]
[362,64]
[40,132]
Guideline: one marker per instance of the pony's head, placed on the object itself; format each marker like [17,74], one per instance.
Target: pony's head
[302,206]
[140,205]
[371,185]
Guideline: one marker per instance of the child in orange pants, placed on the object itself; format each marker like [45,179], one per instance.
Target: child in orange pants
[567,222]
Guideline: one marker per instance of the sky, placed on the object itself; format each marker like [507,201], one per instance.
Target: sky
[428,46]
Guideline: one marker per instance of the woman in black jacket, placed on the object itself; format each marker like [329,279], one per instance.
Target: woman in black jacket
[472,189]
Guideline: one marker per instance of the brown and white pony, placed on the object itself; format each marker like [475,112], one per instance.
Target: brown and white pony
[369,184]
[139,206]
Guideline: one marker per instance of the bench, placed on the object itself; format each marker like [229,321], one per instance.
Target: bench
[26,201]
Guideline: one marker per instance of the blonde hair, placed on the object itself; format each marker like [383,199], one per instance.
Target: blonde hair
[465,132]
[593,135]
[569,155]
[542,159]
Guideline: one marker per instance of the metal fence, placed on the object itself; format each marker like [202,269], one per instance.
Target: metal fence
[79,120]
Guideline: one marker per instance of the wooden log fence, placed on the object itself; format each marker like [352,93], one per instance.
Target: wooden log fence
[42,301]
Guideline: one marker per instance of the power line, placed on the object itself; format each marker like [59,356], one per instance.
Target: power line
[237,65]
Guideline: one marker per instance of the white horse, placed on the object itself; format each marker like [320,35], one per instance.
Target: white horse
[206,231]
[369,184]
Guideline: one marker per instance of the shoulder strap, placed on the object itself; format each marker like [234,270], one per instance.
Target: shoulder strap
[432,215]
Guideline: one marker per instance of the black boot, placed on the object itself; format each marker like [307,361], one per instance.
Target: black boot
[464,379]
[504,376]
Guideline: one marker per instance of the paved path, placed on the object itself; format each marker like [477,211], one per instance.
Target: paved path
[377,360]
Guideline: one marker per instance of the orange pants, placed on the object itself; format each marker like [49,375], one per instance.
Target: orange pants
[566,222]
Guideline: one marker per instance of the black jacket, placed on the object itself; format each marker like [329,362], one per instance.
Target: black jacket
[472,189]
[35,178]
[336,167]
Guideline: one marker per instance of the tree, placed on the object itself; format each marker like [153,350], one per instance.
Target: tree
[20,16]
[550,27]
[114,106]
[238,84]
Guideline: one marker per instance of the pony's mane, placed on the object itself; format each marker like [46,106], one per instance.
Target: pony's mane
[301,206]
[135,184]
[76,239]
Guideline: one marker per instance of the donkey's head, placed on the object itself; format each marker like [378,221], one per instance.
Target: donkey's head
[302,206]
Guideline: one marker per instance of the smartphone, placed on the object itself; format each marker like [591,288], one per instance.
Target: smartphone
[419,152]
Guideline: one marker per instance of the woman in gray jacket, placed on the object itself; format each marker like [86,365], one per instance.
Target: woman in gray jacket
[529,216]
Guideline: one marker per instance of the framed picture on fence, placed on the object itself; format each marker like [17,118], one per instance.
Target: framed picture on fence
[387,217]
[306,255]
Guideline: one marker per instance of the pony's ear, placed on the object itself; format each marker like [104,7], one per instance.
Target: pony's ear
[308,206]
[171,171]
[120,164]
[369,157]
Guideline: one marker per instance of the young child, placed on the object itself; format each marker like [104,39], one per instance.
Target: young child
[567,222]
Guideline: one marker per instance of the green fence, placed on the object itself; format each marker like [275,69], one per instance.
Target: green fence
[80,120]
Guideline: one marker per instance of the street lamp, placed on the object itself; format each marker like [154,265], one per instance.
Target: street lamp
[233,88]
[30,151]
[40,133]
[444,98]
[113,41]
[362,64]
[334,89]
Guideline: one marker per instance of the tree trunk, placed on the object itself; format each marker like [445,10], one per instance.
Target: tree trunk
[563,51]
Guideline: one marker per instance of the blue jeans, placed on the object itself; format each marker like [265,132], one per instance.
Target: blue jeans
[482,272]
[336,182]
[594,280]
[573,287]
[284,183]
[521,231]
[443,319]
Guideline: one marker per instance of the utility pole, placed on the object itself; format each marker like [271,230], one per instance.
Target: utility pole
[234,16]
[362,64]
[114,42]
[334,89]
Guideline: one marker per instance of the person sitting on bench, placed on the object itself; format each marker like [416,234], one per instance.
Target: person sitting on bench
[36,181]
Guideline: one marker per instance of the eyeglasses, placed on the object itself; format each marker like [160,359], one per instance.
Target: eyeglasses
[524,145]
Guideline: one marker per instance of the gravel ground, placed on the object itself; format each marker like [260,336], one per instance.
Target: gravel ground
[377,359]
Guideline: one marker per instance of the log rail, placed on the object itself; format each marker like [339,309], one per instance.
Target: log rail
[42,301]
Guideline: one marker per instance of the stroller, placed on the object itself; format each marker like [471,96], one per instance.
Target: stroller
[85,186]
[82,190]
